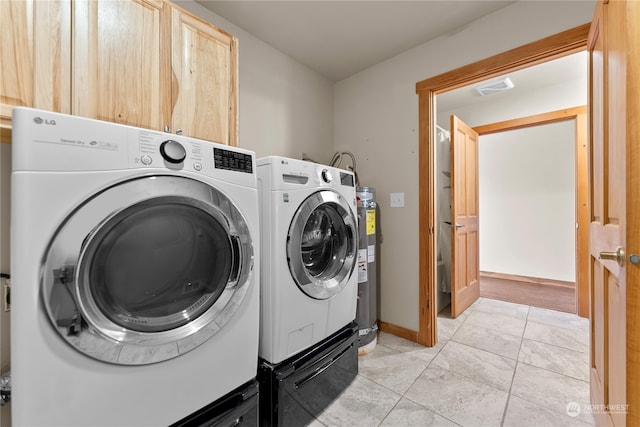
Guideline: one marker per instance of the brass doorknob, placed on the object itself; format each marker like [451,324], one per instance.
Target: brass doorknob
[617,256]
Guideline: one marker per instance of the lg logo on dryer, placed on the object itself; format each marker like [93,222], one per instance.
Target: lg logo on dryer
[40,120]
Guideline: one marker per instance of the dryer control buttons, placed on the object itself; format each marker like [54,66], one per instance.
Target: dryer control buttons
[325,175]
[172,151]
[197,166]
[146,159]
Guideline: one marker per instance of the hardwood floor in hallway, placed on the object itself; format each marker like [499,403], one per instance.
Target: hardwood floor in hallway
[552,297]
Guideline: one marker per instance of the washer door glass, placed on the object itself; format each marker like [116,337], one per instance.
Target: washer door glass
[153,279]
[321,244]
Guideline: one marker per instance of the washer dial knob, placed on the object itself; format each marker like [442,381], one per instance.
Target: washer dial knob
[172,151]
[325,175]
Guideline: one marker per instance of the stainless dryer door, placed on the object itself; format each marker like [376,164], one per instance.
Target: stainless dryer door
[321,244]
[147,269]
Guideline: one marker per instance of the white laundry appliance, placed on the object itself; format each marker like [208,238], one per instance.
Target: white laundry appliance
[308,337]
[135,295]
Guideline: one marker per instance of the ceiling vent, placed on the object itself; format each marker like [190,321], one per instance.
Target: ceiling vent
[495,86]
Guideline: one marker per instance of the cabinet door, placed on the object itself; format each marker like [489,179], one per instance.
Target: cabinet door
[35,47]
[204,81]
[120,64]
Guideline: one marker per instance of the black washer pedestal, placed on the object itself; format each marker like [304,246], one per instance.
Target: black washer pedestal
[295,391]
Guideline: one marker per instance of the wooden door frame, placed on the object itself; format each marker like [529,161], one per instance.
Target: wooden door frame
[579,116]
[546,49]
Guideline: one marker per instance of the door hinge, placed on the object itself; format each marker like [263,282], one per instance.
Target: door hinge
[6,294]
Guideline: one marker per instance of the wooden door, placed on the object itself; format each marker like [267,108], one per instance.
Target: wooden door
[465,268]
[204,92]
[614,45]
[121,62]
[35,49]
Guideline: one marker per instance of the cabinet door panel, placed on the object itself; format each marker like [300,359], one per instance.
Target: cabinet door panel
[204,80]
[120,68]
[16,54]
[35,52]
[52,59]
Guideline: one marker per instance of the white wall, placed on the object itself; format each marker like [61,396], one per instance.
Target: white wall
[285,107]
[376,117]
[527,201]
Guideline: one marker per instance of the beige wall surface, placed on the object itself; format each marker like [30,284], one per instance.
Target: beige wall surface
[376,117]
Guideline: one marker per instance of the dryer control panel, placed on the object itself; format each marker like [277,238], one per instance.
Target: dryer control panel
[61,142]
[232,160]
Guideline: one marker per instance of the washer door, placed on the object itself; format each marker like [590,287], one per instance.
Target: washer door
[321,244]
[152,280]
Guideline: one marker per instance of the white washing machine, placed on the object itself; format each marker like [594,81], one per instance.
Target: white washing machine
[309,253]
[135,297]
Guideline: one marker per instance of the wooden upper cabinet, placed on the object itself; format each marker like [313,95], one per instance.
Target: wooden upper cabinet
[148,63]
[204,79]
[145,63]
[119,70]
[35,57]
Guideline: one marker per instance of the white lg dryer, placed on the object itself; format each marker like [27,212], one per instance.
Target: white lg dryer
[135,296]
[309,235]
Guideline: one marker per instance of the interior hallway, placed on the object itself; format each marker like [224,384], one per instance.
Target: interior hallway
[497,364]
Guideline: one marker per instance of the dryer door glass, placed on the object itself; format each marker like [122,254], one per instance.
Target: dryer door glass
[321,244]
[158,265]
[152,279]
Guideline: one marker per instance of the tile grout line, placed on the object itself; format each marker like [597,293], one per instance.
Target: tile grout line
[506,406]
[402,396]
[444,342]
[518,362]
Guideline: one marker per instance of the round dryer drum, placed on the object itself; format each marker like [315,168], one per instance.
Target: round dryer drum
[151,280]
[321,244]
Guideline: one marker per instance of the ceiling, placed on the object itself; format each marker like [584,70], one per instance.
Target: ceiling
[340,38]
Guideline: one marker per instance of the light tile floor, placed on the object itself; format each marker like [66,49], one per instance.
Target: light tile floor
[497,364]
